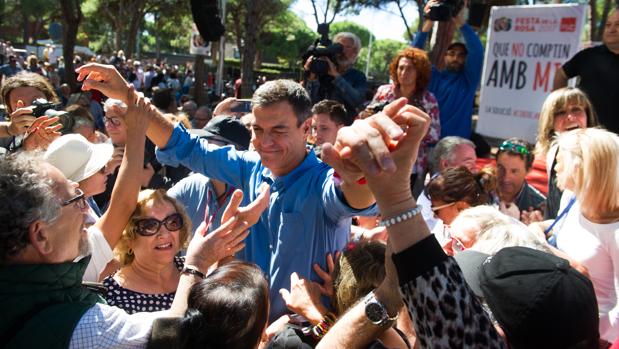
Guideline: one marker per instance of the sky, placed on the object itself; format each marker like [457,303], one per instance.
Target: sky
[384,24]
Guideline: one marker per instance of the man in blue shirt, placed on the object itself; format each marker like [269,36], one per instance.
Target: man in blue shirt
[309,215]
[205,198]
[455,86]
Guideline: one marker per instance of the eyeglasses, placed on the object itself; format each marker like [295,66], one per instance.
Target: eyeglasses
[113,121]
[151,226]
[516,148]
[79,200]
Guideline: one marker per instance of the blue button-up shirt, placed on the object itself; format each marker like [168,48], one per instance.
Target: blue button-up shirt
[307,216]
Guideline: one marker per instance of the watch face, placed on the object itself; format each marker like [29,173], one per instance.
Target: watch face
[374,312]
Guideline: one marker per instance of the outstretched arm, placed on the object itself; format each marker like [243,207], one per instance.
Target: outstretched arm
[127,186]
[108,80]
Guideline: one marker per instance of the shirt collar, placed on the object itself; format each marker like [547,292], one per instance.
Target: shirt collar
[287,180]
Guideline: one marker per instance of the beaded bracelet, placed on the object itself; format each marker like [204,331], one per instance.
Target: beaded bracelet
[318,331]
[406,215]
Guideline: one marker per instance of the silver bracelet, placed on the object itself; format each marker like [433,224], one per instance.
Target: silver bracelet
[406,215]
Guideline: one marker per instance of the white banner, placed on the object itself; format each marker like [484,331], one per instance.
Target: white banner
[197,45]
[525,47]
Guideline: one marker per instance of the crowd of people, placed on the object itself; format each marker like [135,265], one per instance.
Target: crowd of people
[328,216]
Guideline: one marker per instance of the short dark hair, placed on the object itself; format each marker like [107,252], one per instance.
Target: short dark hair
[458,44]
[27,79]
[162,98]
[275,91]
[335,110]
[228,309]
[519,147]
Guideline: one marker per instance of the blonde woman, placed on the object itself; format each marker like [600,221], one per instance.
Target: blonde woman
[563,110]
[588,227]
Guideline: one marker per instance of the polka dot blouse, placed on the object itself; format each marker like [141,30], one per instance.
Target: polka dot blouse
[135,302]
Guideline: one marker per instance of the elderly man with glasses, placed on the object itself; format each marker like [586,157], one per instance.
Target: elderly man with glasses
[44,252]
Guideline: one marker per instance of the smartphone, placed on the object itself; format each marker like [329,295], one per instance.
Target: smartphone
[242,106]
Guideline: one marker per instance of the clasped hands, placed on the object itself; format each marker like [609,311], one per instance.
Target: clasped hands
[381,148]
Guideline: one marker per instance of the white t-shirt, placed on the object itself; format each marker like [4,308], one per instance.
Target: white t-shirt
[596,246]
[101,254]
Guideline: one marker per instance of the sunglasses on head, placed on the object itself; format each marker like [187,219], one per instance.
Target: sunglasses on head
[151,226]
[516,148]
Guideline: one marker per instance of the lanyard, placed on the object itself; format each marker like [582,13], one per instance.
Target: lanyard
[209,217]
[553,239]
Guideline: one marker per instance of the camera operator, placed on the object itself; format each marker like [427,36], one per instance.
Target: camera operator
[455,86]
[27,97]
[345,84]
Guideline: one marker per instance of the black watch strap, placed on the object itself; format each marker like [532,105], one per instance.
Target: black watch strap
[193,271]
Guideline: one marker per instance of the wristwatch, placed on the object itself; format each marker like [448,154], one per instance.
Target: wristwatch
[376,311]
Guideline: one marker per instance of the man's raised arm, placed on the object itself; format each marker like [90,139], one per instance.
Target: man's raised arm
[108,80]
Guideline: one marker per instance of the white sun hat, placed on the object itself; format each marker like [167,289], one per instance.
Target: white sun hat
[76,157]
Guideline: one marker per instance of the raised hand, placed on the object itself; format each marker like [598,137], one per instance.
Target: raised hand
[104,78]
[250,213]
[139,111]
[382,147]
[21,119]
[304,299]
[327,275]
[43,131]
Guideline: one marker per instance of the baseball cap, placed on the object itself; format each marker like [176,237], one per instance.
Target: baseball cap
[226,128]
[537,298]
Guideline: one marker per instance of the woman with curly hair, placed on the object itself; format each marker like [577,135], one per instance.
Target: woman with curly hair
[410,71]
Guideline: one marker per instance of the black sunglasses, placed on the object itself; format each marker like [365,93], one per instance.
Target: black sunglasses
[151,226]
[79,200]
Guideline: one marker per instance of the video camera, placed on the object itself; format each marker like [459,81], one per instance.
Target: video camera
[445,10]
[42,106]
[322,47]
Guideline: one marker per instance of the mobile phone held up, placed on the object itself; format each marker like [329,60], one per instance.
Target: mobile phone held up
[242,106]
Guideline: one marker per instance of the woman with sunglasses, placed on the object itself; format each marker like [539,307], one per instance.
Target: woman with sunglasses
[563,110]
[454,190]
[150,270]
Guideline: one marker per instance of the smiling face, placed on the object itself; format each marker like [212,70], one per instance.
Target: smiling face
[161,247]
[570,117]
[68,236]
[277,137]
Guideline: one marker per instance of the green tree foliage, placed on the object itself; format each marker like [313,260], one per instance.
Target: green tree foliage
[285,39]
[347,26]
[382,53]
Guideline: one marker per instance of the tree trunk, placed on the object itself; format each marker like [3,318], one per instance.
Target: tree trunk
[444,35]
[72,16]
[593,20]
[25,25]
[200,72]
[136,13]
[249,49]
